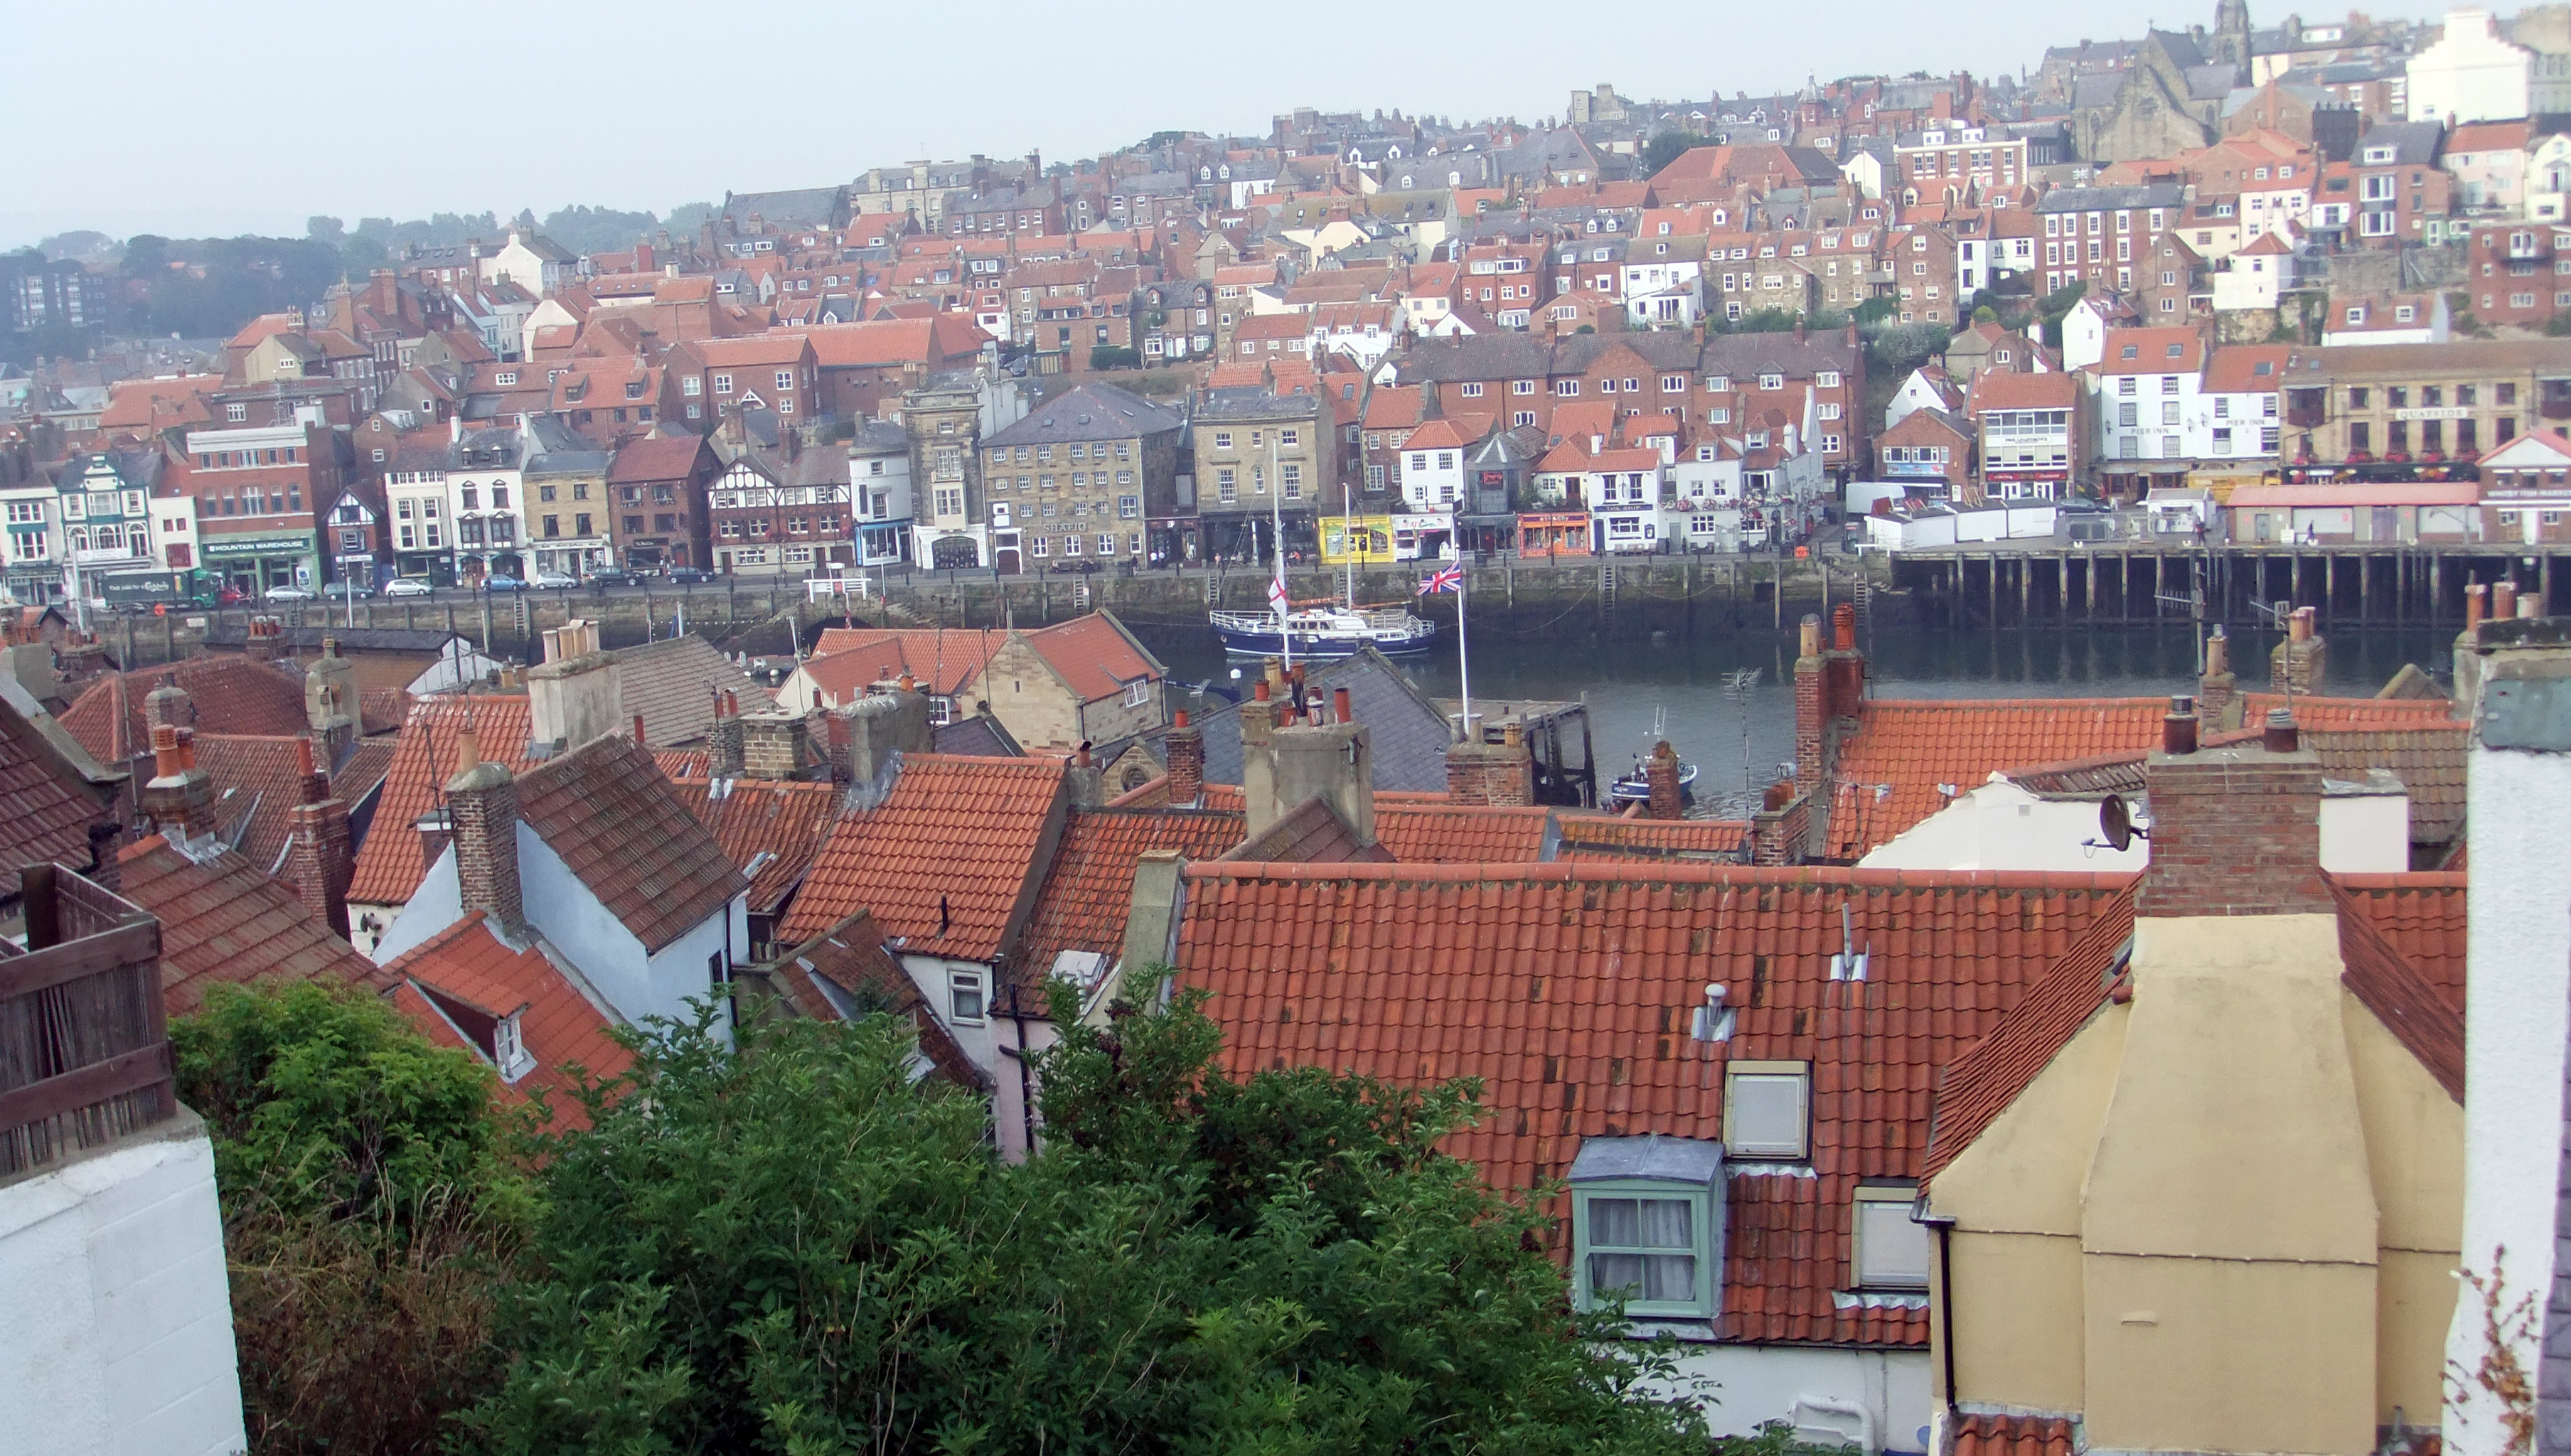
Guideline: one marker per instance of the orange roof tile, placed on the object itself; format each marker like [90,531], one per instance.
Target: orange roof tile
[1445,833]
[1566,988]
[1094,655]
[1890,768]
[2405,998]
[1979,1085]
[227,920]
[847,969]
[2420,915]
[389,866]
[2013,1435]
[781,819]
[948,863]
[2340,714]
[465,970]
[1602,836]
[1090,883]
[45,802]
[946,661]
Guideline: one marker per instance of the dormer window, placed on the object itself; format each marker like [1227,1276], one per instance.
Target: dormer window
[1647,1226]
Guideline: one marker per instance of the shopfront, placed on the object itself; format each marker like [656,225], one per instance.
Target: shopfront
[1553,534]
[1356,540]
[882,542]
[254,563]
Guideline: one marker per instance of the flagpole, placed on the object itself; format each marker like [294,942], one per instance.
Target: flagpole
[1463,670]
[1276,545]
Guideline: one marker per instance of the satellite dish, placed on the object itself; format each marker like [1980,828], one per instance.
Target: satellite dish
[2116,823]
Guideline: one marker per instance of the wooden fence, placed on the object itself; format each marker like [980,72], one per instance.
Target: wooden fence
[84,1039]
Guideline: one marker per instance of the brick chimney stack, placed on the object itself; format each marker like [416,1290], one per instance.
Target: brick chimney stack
[1308,758]
[266,640]
[330,702]
[1811,708]
[1480,772]
[482,808]
[321,861]
[1185,747]
[2217,691]
[726,738]
[2235,830]
[2297,665]
[1661,773]
[180,796]
[1083,781]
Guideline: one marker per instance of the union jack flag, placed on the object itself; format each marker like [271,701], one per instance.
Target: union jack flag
[1444,579]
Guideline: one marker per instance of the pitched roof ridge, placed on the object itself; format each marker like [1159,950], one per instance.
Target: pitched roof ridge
[2406,879]
[1806,875]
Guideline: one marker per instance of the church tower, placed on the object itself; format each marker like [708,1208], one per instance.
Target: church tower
[2230,43]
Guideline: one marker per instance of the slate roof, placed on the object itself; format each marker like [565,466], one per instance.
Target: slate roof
[781,818]
[1088,412]
[1407,732]
[958,840]
[1567,989]
[227,920]
[621,826]
[388,862]
[259,779]
[46,800]
[671,685]
[1089,886]
[232,695]
[978,737]
[1308,834]
[559,1025]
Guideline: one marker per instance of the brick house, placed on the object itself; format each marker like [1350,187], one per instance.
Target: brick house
[1932,451]
[2519,274]
[657,489]
[705,381]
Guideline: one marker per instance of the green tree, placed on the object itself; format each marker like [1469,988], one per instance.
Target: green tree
[372,1209]
[792,1248]
[1669,147]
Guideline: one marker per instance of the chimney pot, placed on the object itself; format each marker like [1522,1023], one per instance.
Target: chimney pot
[2477,603]
[2281,736]
[2177,727]
[1339,705]
[2527,605]
[1812,636]
[1258,690]
[1843,627]
[2503,601]
[637,729]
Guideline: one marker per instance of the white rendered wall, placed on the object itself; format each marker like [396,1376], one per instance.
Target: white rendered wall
[1741,1387]
[2518,945]
[116,1330]
[2003,826]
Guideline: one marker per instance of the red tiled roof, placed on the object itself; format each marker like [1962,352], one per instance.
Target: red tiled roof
[2340,714]
[1913,746]
[232,693]
[1603,836]
[1444,833]
[2002,389]
[48,810]
[622,828]
[227,920]
[1567,989]
[256,780]
[958,840]
[1979,1085]
[468,967]
[946,661]
[851,959]
[388,864]
[1091,884]
[784,818]
[656,457]
[2420,915]
[2012,1435]
[2405,998]
[1094,654]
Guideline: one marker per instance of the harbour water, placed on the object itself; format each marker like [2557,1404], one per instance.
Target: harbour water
[1738,738]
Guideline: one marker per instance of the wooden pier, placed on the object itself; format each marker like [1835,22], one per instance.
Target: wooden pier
[2359,586]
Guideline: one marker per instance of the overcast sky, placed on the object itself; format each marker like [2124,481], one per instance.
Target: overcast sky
[254,116]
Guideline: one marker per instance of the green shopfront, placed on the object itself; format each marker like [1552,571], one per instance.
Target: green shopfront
[252,563]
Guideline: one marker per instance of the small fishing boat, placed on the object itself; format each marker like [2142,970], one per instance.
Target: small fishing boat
[1636,787]
[1324,631]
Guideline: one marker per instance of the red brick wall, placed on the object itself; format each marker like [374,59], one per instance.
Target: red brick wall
[2235,832]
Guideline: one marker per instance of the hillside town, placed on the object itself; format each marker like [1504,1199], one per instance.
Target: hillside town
[2006,1077]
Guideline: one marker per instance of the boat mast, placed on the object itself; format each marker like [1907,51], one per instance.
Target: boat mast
[1348,553]
[1277,544]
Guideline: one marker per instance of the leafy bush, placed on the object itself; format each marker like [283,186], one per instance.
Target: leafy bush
[792,1248]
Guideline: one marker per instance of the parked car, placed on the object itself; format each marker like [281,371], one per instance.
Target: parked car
[503,583]
[285,591]
[689,575]
[611,576]
[554,580]
[346,591]
[409,587]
